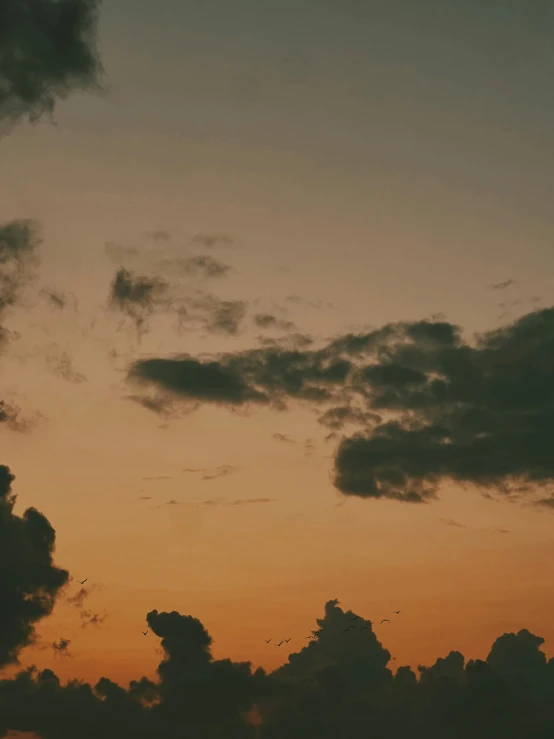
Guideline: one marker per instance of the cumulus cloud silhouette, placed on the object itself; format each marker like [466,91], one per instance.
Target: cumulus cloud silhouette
[29,580]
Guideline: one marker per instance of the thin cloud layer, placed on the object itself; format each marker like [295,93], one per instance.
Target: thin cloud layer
[47,50]
[433,406]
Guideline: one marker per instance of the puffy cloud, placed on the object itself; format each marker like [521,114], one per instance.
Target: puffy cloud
[29,579]
[339,684]
[47,50]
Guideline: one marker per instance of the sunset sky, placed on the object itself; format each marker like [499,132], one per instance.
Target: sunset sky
[281,175]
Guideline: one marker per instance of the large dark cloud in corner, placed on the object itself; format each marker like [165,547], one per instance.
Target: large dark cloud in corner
[433,407]
[47,50]
[29,580]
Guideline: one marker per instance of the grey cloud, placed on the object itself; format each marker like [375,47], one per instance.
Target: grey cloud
[47,50]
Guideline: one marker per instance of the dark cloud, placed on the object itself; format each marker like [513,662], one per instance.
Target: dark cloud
[61,647]
[19,244]
[268,320]
[136,296]
[477,414]
[212,241]
[212,473]
[29,580]
[227,316]
[87,616]
[339,683]
[10,416]
[47,50]
[265,376]
[434,407]
[503,285]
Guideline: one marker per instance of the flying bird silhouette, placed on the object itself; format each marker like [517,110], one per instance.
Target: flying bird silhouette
[287,640]
[279,644]
[385,619]
[397,612]
[82,582]
[145,632]
[353,618]
[267,642]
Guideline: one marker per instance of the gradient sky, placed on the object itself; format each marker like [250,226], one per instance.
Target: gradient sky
[372,162]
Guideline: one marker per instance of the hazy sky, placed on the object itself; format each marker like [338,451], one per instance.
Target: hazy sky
[355,164]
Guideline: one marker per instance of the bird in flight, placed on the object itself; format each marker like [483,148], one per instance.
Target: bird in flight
[287,640]
[82,582]
[353,618]
[397,612]
[385,619]
[145,632]
[267,641]
[279,644]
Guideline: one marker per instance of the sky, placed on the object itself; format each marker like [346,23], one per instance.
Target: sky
[276,325]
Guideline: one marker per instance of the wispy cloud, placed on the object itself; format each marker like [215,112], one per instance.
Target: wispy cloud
[213,473]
